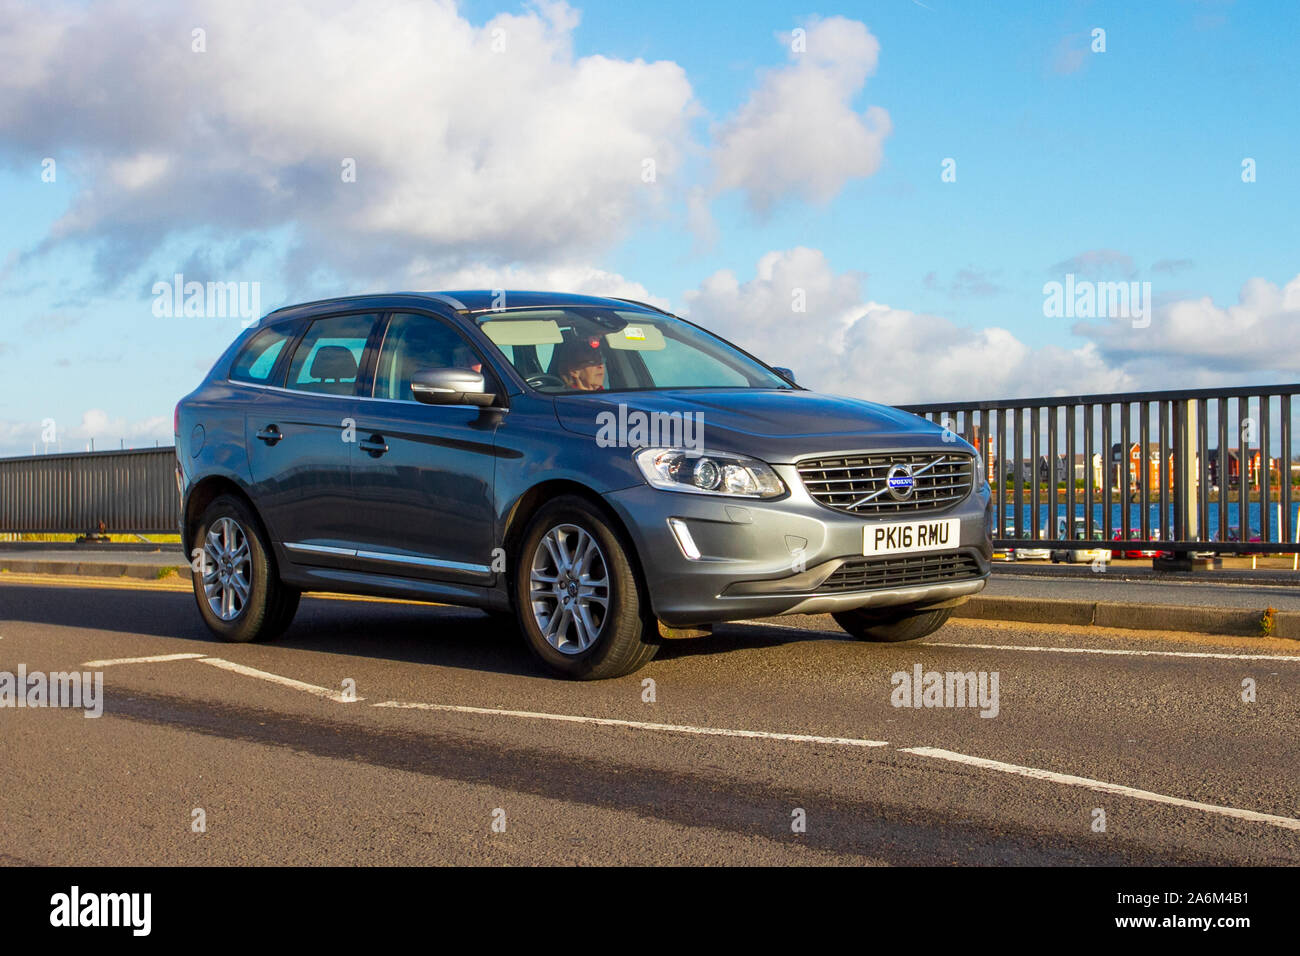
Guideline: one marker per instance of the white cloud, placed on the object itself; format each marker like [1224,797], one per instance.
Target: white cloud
[138,172]
[1258,334]
[847,345]
[470,141]
[798,133]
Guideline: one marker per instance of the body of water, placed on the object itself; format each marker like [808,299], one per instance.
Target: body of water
[1135,517]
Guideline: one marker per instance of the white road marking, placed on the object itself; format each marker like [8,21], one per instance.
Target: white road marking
[157,659]
[1101,786]
[1294,658]
[638,724]
[325,692]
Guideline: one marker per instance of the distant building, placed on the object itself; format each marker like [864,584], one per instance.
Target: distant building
[1254,459]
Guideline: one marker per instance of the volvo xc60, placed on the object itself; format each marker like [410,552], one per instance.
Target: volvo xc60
[598,471]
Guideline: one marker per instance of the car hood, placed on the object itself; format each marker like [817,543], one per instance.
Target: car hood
[775,425]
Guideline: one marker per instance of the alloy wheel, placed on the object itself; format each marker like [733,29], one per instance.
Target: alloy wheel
[227,569]
[569,588]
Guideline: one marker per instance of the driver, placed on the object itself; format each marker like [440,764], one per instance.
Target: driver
[578,364]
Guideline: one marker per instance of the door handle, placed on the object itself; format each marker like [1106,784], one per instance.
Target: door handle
[374,446]
[270,434]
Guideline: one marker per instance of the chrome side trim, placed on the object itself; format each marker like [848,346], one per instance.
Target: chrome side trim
[387,557]
[320,549]
[423,562]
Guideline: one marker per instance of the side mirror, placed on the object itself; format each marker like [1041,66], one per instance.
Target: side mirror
[450,386]
[785,373]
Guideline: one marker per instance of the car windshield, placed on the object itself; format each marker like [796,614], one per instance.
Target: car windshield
[585,349]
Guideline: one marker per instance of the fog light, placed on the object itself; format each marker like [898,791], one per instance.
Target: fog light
[684,539]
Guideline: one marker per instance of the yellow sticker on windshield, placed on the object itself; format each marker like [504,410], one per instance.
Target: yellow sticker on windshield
[634,332]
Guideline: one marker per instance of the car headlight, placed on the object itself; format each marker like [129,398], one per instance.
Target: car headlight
[981,475]
[739,476]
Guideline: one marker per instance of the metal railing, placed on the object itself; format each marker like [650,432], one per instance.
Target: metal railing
[1177,471]
[119,491]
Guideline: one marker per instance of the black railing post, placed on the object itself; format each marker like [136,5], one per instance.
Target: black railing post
[1166,472]
[1243,469]
[1087,481]
[1034,450]
[1202,471]
[1265,474]
[1286,532]
[1108,464]
[1144,474]
[1053,417]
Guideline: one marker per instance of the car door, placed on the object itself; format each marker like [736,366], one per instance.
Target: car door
[299,443]
[423,474]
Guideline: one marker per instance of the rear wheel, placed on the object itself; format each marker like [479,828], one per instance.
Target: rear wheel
[238,592]
[579,603]
[891,626]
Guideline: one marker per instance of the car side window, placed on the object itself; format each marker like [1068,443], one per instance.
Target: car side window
[413,343]
[256,360]
[328,359]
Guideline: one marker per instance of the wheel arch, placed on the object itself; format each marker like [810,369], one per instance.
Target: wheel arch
[206,491]
[532,500]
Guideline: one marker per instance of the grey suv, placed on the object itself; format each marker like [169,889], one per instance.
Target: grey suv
[604,473]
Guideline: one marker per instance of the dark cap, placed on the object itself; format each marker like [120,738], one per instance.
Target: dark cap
[576,352]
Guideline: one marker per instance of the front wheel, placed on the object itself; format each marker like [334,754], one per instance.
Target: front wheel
[579,604]
[892,626]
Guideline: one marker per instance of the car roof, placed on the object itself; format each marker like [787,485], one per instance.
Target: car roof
[464,301]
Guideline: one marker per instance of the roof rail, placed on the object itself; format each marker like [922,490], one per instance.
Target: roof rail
[452,301]
[455,303]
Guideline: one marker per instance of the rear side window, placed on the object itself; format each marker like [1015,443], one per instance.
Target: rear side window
[256,360]
[328,358]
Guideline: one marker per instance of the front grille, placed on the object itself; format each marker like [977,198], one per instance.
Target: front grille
[900,571]
[856,483]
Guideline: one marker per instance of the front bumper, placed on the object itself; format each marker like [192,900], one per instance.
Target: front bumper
[787,556]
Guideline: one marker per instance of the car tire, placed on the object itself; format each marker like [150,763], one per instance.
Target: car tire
[237,587]
[891,627]
[567,549]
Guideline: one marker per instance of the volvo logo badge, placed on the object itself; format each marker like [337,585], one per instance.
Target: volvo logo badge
[900,482]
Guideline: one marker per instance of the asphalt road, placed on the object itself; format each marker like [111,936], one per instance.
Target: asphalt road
[749,731]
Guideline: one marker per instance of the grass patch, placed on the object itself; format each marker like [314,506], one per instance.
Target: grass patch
[1268,622]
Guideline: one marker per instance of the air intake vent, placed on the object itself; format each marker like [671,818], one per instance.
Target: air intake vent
[900,571]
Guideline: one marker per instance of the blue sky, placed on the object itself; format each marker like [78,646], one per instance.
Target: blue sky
[1122,164]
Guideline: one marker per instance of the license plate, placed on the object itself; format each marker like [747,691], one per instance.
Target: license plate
[905,537]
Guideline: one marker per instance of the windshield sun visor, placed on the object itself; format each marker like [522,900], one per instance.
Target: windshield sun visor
[523,331]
